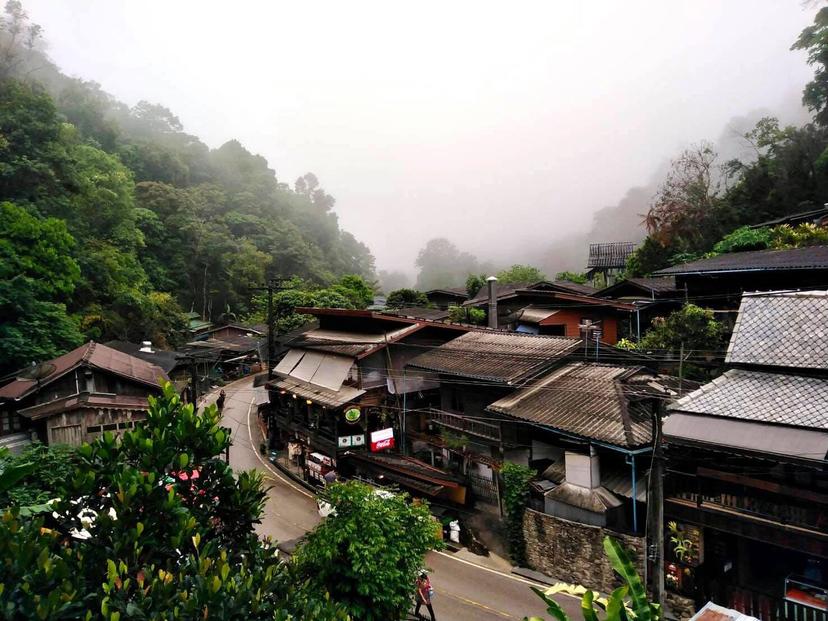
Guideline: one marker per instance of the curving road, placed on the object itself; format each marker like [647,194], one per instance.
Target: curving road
[465,591]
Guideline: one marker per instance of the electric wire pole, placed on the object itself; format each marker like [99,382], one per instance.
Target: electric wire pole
[273,284]
[657,505]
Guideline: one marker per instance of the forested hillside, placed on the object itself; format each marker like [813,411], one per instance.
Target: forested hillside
[114,220]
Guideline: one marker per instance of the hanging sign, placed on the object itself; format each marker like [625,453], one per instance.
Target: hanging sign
[352,415]
[382,439]
[345,441]
[358,440]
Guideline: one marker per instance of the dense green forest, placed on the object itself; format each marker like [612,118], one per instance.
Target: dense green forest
[114,220]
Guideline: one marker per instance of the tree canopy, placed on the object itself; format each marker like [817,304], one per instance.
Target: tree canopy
[155,222]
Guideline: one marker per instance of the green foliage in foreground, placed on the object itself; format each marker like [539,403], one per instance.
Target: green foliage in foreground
[46,468]
[516,480]
[366,555]
[616,607]
[136,536]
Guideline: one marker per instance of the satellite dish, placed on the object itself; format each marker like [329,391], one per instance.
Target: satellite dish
[38,372]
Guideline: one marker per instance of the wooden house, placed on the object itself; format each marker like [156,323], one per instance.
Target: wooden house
[77,396]
[747,490]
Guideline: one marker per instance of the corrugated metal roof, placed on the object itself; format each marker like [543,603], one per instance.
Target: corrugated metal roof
[95,355]
[793,400]
[617,481]
[317,394]
[648,286]
[496,356]
[530,314]
[594,401]
[812,257]
[354,344]
[610,255]
[786,330]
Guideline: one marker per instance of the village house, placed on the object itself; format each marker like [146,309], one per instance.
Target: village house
[557,308]
[340,394]
[718,282]
[651,297]
[454,431]
[607,261]
[746,496]
[449,296]
[75,397]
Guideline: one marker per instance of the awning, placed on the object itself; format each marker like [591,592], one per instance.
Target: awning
[322,369]
[317,394]
[762,438]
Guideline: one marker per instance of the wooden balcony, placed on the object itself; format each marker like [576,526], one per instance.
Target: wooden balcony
[459,423]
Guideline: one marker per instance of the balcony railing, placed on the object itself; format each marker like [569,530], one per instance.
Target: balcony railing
[458,422]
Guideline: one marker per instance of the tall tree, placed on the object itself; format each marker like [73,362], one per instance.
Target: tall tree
[814,40]
[37,276]
[441,264]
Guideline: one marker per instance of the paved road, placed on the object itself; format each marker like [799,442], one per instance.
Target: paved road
[464,591]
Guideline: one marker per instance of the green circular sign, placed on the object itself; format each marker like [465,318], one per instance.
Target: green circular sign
[352,415]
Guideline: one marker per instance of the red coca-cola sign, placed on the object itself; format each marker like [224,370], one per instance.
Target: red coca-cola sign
[382,439]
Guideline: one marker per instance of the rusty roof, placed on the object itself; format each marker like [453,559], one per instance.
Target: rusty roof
[594,401]
[94,355]
[318,394]
[502,357]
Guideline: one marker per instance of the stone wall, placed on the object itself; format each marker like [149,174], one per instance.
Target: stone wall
[679,607]
[573,552]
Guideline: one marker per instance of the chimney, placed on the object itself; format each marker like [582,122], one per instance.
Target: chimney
[491,281]
[582,470]
[146,347]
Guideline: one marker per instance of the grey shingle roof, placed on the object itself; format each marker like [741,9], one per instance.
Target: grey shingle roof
[813,257]
[785,330]
[762,397]
[596,401]
[504,357]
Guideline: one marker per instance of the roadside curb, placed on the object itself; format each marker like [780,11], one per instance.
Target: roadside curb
[536,576]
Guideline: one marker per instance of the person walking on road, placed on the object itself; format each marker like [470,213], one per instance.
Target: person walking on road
[220,401]
[424,593]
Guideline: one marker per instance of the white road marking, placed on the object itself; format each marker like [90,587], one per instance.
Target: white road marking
[444,554]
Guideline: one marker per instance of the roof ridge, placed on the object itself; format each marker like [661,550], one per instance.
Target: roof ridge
[90,349]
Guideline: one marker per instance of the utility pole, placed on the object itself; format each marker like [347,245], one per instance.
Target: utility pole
[274,284]
[657,505]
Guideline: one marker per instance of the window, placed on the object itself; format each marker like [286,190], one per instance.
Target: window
[554,330]
[110,427]
[457,399]
[93,429]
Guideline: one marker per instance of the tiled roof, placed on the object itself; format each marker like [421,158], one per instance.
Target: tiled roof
[95,355]
[611,255]
[812,257]
[785,330]
[595,401]
[504,357]
[793,400]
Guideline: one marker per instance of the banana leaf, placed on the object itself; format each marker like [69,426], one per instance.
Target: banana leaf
[623,565]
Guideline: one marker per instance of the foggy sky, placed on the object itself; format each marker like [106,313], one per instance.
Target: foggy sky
[498,125]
